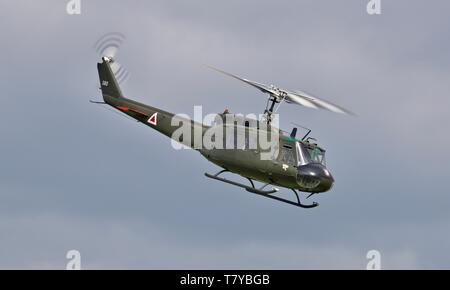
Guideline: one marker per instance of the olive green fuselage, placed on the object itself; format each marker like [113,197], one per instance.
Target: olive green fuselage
[245,162]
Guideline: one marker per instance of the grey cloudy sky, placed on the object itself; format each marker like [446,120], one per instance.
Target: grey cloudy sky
[76,176]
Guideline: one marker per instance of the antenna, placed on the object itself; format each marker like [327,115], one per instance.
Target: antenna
[294,132]
[307,129]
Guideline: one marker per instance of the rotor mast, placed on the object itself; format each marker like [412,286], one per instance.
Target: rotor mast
[272,100]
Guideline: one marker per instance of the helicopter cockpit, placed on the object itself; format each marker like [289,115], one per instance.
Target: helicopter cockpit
[310,154]
[305,150]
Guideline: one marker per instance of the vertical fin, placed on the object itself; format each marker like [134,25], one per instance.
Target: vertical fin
[108,82]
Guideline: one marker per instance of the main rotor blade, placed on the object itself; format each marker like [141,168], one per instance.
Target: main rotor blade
[300,100]
[297,97]
[303,98]
[262,87]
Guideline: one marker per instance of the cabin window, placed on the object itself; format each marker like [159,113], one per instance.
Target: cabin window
[251,139]
[287,155]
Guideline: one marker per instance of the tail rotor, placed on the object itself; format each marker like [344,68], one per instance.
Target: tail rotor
[108,47]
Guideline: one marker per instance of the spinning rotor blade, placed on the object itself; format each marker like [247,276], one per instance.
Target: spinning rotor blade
[297,97]
[304,99]
[110,51]
[108,46]
[262,87]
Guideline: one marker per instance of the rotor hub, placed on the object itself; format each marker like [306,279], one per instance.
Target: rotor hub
[108,59]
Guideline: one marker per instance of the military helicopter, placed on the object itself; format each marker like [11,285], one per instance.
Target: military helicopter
[298,165]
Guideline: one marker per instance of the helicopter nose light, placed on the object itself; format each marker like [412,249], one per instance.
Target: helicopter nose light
[315,177]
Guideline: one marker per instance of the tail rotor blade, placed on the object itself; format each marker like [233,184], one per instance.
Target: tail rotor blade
[108,46]
[110,51]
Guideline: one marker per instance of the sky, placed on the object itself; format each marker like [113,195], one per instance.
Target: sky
[74,175]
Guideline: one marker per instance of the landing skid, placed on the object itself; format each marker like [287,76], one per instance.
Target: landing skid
[261,191]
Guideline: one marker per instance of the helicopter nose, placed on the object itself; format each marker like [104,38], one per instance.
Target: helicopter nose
[315,177]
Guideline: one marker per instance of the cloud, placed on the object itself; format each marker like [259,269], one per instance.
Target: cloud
[74,175]
[42,241]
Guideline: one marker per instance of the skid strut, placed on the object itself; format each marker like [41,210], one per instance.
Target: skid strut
[260,191]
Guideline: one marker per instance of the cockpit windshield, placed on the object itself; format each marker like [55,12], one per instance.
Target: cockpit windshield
[311,155]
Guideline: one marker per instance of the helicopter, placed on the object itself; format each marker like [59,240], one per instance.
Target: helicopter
[298,164]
